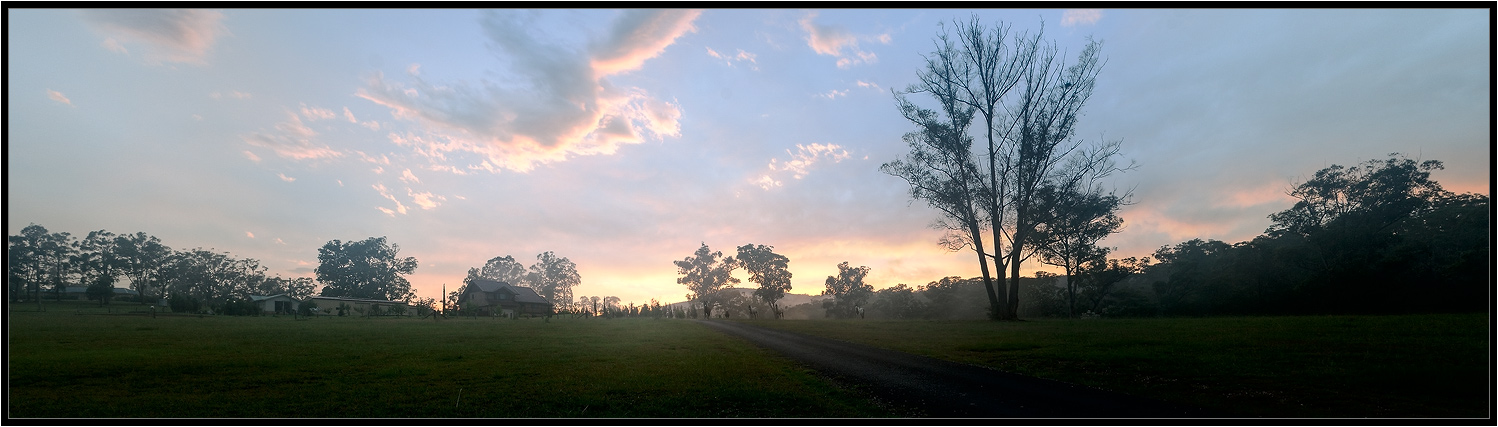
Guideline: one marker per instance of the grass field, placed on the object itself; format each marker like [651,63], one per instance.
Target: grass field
[66,364]
[1425,366]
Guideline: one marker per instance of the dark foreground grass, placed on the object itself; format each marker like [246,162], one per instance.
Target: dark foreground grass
[65,364]
[1425,366]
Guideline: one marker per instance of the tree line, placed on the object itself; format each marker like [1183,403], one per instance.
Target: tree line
[40,263]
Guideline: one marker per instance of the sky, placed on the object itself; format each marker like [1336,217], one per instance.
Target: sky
[625,139]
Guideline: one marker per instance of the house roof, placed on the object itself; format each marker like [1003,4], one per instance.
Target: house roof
[258,298]
[364,300]
[522,293]
[84,289]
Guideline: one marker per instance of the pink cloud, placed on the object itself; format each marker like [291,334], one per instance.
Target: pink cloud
[59,97]
[835,41]
[291,139]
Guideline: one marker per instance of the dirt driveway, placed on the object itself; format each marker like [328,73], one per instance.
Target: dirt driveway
[919,386]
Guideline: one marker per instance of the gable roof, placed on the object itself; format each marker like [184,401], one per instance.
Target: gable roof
[522,293]
[258,298]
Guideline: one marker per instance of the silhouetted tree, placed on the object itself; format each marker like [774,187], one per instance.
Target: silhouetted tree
[704,275]
[364,269]
[554,277]
[768,269]
[141,259]
[847,290]
[1069,223]
[501,269]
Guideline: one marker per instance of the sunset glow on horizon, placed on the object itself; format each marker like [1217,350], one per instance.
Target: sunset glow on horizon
[623,140]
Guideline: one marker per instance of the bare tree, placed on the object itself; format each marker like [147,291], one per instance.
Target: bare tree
[1030,102]
[940,167]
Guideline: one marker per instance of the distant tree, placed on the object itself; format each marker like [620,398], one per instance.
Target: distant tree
[27,263]
[141,259]
[898,302]
[1189,268]
[94,257]
[554,277]
[502,269]
[611,306]
[767,269]
[1069,222]
[704,275]
[847,290]
[101,289]
[1098,278]
[365,269]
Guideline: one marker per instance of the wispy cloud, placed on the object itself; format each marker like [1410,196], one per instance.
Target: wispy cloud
[249,234]
[167,35]
[232,94]
[867,85]
[833,94]
[566,107]
[833,40]
[384,192]
[741,57]
[1074,17]
[349,115]
[408,177]
[291,139]
[286,178]
[59,97]
[799,163]
[315,114]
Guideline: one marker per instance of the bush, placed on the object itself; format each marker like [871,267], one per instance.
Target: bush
[308,308]
[183,304]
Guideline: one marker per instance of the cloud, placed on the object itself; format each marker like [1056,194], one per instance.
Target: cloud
[867,85]
[251,235]
[291,139]
[349,115]
[1074,17]
[316,114]
[799,163]
[742,56]
[59,97]
[167,35]
[408,177]
[286,178]
[767,182]
[232,94]
[278,240]
[561,107]
[639,35]
[426,200]
[251,156]
[833,40]
[386,194]
[833,94]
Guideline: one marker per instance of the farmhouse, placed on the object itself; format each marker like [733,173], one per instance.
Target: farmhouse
[359,306]
[276,304]
[488,297]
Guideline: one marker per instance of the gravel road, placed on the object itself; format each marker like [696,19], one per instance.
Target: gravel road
[921,386]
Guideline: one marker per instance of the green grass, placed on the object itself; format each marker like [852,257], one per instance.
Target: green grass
[66,364]
[1425,366]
